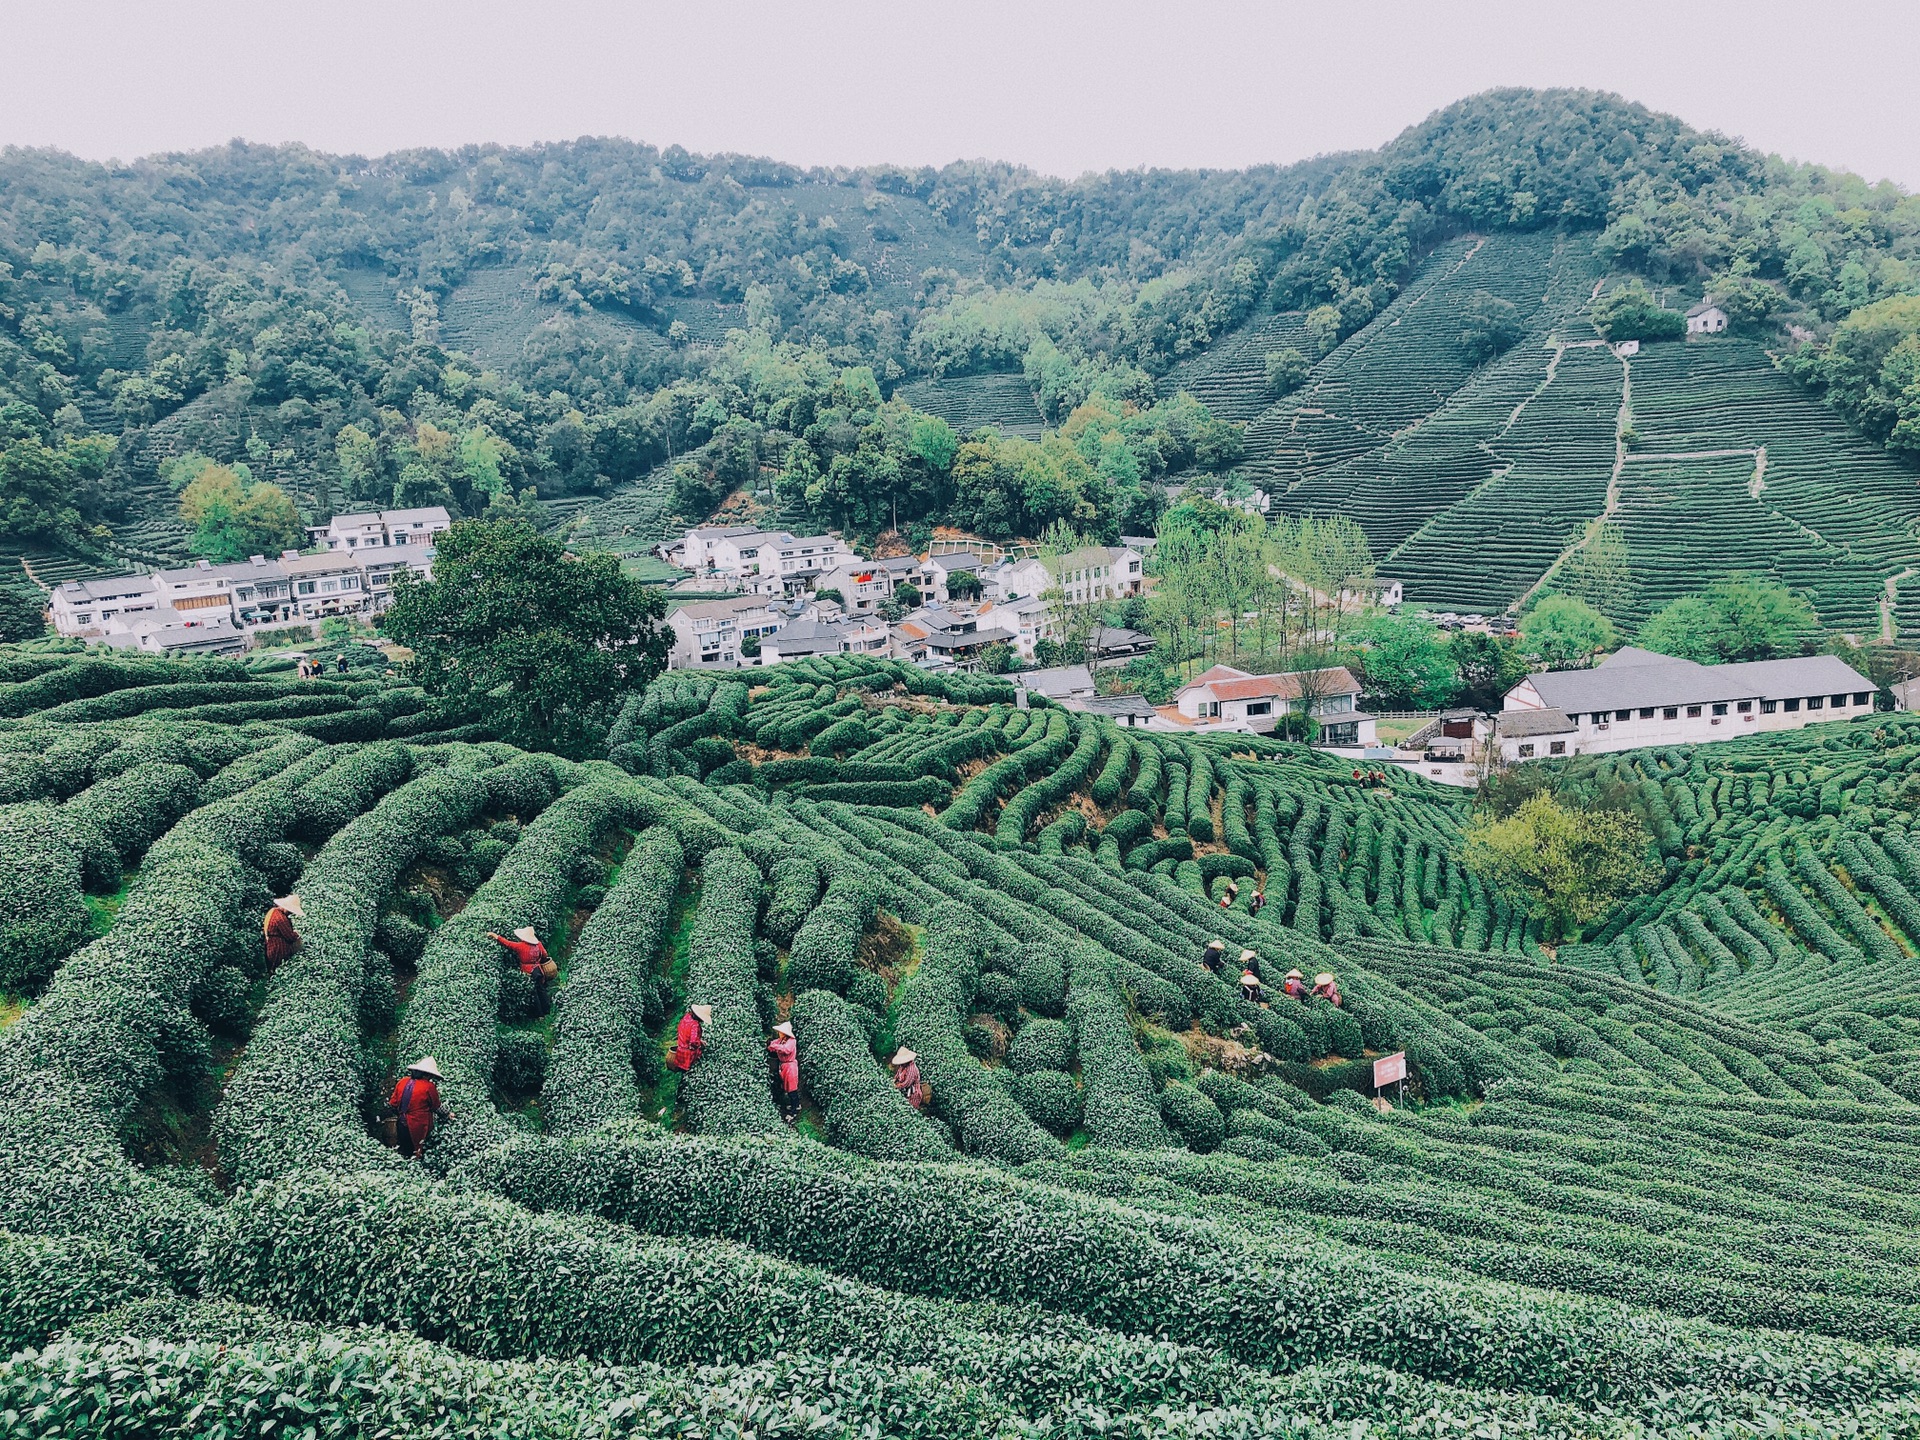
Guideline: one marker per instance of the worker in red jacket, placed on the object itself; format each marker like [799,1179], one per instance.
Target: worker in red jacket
[415,1103]
[906,1077]
[688,1039]
[282,939]
[786,1059]
[531,956]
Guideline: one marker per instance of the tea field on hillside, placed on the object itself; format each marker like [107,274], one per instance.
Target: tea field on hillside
[1658,1183]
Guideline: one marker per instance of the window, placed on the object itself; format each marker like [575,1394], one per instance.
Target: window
[1557,747]
[1647,714]
[1260,707]
[1861,697]
[1623,714]
[1693,712]
[1816,702]
[1526,752]
[305,587]
[1671,712]
[1745,707]
[1767,707]
[1839,702]
[1720,709]
[1792,705]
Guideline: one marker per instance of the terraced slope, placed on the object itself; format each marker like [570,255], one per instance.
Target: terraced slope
[1617,1202]
[969,402]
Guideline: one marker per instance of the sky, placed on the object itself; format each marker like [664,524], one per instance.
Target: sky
[1062,87]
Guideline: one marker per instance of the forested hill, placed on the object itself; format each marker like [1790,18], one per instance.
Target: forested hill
[639,331]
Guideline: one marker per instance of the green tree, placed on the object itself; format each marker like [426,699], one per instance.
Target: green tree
[233,518]
[36,492]
[1739,618]
[1571,864]
[1487,666]
[1629,312]
[1563,632]
[1405,662]
[543,642]
[1287,370]
[1489,326]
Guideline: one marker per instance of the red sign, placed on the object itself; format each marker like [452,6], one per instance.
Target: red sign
[1389,1068]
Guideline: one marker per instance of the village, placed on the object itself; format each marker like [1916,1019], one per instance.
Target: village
[798,597]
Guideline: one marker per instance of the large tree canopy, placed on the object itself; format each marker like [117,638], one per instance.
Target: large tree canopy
[1738,618]
[544,641]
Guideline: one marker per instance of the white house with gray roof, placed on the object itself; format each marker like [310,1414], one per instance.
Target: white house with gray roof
[1636,697]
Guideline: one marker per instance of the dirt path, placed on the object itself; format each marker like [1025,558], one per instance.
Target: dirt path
[1889,627]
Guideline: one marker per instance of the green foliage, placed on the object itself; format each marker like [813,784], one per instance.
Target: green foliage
[233,519]
[1739,618]
[1563,632]
[1629,312]
[1573,865]
[542,642]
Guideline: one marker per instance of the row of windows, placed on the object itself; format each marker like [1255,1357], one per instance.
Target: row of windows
[1742,707]
[1554,747]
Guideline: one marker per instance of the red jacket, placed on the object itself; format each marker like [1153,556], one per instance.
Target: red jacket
[416,1107]
[907,1081]
[529,953]
[281,938]
[782,1047]
[686,1042]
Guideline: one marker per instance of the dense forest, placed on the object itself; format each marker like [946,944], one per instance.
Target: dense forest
[490,328]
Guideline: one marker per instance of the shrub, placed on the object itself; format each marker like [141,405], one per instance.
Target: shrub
[1041,1045]
[863,1111]
[727,1091]
[1193,1117]
[1051,1099]
[519,1063]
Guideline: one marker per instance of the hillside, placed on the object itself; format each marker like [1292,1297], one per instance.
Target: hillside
[1656,1184]
[624,334]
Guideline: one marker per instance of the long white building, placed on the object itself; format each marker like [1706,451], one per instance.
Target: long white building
[1636,697]
[185,609]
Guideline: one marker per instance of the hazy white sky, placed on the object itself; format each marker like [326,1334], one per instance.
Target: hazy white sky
[1062,87]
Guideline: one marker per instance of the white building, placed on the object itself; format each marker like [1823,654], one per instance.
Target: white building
[940,569]
[378,529]
[944,637]
[87,607]
[768,562]
[1029,621]
[808,637]
[1229,699]
[1706,318]
[1636,697]
[1085,576]
[707,636]
[696,549]
[865,584]
[249,595]
[1061,684]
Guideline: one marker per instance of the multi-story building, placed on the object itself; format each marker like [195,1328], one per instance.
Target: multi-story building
[865,584]
[708,635]
[248,595]
[379,529]
[1085,576]
[1637,697]
[1228,699]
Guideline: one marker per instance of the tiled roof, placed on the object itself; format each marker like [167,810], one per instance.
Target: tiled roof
[1640,678]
